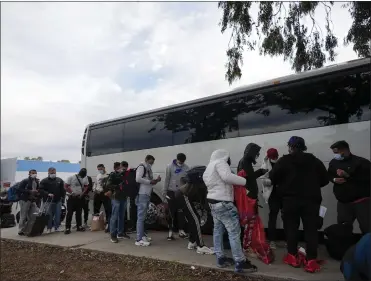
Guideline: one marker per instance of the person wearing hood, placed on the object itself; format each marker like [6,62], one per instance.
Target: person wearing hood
[250,155]
[299,177]
[76,188]
[53,186]
[274,200]
[174,172]
[219,181]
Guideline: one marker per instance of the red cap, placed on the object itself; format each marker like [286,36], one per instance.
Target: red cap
[272,153]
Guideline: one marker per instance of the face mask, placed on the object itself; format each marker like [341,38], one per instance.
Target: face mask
[179,164]
[101,172]
[33,176]
[52,176]
[82,174]
[229,162]
[338,156]
[274,161]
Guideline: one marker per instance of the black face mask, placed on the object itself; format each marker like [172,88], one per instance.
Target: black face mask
[229,161]
[82,174]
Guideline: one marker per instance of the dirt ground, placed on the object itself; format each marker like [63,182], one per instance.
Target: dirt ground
[30,261]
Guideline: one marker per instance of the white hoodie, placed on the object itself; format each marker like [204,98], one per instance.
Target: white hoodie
[266,182]
[219,178]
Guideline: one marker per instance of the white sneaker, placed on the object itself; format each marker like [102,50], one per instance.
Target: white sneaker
[146,238]
[192,246]
[205,251]
[49,231]
[58,229]
[142,243]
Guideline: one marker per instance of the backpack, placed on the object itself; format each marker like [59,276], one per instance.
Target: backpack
[194,175]
[13,193]
[338,239]
[129,185]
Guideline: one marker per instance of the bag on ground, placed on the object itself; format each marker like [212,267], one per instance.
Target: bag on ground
[254,234]
[7,220]
[97,222]
[338,239]
[38,221]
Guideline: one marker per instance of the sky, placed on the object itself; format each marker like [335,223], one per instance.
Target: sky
[66,65]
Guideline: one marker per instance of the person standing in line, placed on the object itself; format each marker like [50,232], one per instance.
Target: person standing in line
[299,177]
[219,181]
[28,194]
[86,201]
[76,188]
[174,172]
[118,201]
[350,175]
[274,200]
[54,188]
[131,196]
[144,176]
[100,197]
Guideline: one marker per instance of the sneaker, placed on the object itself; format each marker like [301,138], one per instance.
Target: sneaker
[80,229]
[114,239]
[21,233]
[85,225]
[123,236]
[74,227]
[57,229]
[146,238]
[245,267]
[183,235]
[192,246]
[224,262]
[67,231]
[142,243]
[48,231]
[204,251]
[131,231]
[170,238]
[273,245]
[292,260]
[312,266]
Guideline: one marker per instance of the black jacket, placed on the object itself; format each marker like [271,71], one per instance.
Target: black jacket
[357,186]
[114,184]
[54,186]
[25,188]
[246,164]
[299,175]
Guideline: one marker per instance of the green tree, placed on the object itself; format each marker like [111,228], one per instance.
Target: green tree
[64,161]
[39,158]
[280,30]
[27,158]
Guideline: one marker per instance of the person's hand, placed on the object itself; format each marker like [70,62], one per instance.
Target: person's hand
[164,196]
[158,178]
[108,194]
[342,173]
[339,180]
[153,182]
[51,195]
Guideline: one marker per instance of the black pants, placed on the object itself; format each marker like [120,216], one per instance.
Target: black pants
[275,205]
[349,212]
[308,211]
[193,220]
[175,210]
[99,199]
[85,207]
[74,205]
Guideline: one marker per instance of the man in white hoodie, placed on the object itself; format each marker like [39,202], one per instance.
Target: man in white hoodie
[219,180]
[144,177]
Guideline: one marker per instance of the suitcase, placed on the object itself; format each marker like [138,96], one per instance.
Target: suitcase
[36,225]
[7,220]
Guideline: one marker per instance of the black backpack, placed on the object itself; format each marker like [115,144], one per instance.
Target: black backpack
[130,187]
[194,175]
[338,239]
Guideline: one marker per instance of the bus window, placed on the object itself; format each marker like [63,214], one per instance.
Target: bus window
[105,140]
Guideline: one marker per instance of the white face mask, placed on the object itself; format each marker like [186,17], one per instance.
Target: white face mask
[33,176]
[274,161]
[52,176]
[101,172]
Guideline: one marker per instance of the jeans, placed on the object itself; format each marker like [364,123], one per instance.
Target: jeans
[117,217]
[142,202]
[55,210]
[225,216]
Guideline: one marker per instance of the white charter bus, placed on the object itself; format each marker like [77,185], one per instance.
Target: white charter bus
[322,106]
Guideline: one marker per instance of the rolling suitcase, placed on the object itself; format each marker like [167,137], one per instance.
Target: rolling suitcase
[36,225]
[7,220]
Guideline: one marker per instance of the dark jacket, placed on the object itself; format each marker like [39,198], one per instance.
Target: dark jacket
[299,175]
[246,164]
[114,182]
[53,186]
[25,190]
[195,192]
[357,186]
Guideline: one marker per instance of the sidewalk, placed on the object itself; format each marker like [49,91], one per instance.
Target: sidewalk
[173,251]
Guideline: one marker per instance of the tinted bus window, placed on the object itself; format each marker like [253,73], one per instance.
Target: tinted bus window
[105,140]
[147,133]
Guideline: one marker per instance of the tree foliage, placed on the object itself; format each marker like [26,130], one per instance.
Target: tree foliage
[281,30]
[64,161]
[39,158]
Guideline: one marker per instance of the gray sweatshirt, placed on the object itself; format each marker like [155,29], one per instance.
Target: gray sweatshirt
[173,175]
[144,180]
